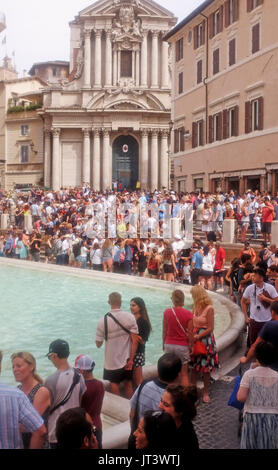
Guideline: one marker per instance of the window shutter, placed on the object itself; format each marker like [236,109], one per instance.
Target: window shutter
[236,10]
[182,131]
[176,141]
[202,132]
[249,5]
[215,61]
[221,18]
[177,51]
[227,13]
[196,37]
[204,33]
[236,131]
[211,25]
[261,114]
[211,129]
[225,124]
[199,71]
[194,134]
[248,117]
[181,48]
[232,52]
[256,38]
[180,82]
[220,126]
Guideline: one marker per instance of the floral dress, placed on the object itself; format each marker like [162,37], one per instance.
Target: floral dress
[210,361]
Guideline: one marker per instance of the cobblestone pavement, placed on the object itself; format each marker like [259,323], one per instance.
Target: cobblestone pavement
[217,423]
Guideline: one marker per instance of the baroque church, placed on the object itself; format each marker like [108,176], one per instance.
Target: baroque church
[110,119]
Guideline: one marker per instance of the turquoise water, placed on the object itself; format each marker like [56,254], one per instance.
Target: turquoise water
[38,307]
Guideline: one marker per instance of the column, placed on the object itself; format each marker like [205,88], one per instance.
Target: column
[56,159]
[98,58]
[155,59]
[154,160]
[144,55]
[47,158]
[133,65]
[164,163]
[96,160]
[119,66]
[106,173]
[87,59]
[86,164]
[165,65]
[137,72]
[144,159]
[273,182]
[115,64]
[108,60]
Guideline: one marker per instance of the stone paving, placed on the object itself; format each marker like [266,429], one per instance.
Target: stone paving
[217,423]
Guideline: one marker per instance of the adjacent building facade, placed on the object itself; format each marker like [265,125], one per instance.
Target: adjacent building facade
[225,97]
[21,128]
[110,119]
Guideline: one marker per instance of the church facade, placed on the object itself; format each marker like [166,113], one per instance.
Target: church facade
[109,121]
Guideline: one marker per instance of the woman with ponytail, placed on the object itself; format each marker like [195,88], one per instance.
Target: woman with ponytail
[24,369]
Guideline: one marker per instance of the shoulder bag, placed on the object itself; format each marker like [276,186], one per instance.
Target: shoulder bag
[76,379]
[179,322]
[135,420]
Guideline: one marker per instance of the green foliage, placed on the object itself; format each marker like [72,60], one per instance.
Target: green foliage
[20,109]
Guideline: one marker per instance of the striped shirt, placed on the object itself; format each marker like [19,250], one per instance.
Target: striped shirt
[15,409]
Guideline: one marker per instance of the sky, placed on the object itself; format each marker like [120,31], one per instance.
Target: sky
[38,31]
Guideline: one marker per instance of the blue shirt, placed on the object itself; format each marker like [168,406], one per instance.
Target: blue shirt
[219,209]
[198,260]
[15,409]
[149,397]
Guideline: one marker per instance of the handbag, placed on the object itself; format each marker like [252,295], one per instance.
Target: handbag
[199,349]
[233,401]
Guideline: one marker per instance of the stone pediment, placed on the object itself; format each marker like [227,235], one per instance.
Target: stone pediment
[125,100]
[111,7]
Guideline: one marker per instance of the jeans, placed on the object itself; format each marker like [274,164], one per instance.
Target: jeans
[253,225]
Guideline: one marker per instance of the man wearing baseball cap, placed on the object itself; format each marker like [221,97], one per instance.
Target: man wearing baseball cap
[93,397]
[66,386]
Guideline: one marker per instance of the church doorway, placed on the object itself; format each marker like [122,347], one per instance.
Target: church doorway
[125,161]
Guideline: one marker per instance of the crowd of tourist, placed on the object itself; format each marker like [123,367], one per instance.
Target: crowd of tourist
[63,411]
[67,230]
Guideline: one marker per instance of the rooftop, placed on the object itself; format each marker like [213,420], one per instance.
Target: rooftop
[188,18]
[62,63]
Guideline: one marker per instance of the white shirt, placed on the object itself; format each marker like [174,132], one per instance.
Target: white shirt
[262,383]
[95,256]
[252,292]
[118,346]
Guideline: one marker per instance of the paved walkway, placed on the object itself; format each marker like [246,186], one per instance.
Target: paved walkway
[217,423]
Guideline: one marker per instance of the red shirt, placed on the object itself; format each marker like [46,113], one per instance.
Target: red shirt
[92,400]
[219,257]
[267,214]
[175,334]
